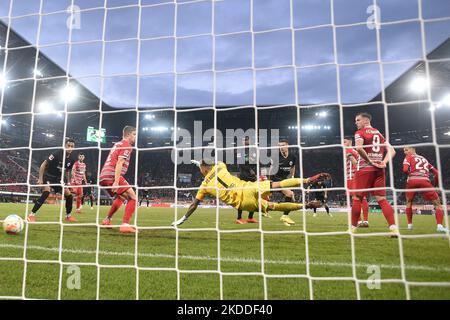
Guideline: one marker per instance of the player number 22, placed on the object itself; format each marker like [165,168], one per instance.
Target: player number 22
[421,164]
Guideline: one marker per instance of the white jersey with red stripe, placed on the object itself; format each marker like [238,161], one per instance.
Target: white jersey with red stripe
[122,149]
[350,167]
[418,167]
[78,173]
[373,143]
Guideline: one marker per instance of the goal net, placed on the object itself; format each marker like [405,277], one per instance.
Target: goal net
[268,86]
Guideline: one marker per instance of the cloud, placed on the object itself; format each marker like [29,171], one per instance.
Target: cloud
[232,16]
[269,14]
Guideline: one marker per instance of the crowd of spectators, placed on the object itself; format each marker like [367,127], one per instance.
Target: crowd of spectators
[12,173]
[159,171]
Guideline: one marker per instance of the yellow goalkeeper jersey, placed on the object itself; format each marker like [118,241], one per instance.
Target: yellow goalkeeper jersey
[220,180]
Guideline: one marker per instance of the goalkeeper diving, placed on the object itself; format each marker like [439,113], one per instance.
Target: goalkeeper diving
[243,195]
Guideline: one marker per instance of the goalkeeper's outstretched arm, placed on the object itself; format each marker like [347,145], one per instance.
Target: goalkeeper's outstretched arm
[190,211]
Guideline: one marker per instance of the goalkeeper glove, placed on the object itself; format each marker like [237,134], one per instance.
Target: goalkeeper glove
[179,221]
[195,162]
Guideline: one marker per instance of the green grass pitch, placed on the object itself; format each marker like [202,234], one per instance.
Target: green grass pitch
[426,259]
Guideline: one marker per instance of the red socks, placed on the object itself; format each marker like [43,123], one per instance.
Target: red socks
[409,214]
[78,202]
[356,212]
[129,210]
[439,215]
[388,211]
[115,206]
[365,209]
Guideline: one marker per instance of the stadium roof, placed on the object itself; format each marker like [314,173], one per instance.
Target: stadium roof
[18,98]
[51,78]
[414,121]
[400,89]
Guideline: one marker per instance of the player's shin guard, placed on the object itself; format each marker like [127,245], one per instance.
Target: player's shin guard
[115,206]
[439,215]
[365,209]
[287,206]
[69,203]
[409,215]
[356,211]
[129,210]
[39,202]
[388,211]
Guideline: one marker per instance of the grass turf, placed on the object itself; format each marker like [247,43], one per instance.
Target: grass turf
[426,259]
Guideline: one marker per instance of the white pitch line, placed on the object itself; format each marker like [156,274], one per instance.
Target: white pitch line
[229,259]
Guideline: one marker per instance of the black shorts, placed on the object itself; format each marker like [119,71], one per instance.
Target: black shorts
[277,178]
[87,191]
[54,181]
[319,196]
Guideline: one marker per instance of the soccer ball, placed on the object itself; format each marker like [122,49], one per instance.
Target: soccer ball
[13,224]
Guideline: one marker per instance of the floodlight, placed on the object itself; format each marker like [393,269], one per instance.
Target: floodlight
[419,84]
[68,93]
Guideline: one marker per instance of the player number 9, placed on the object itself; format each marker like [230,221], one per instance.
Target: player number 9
[376,143]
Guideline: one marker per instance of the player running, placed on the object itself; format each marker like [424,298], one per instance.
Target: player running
[284,170]
[352,157]
[51,173]
[112,176]
[88,192]
[78,176]
[370,173]
[418,170]
[247,172]
[218,181]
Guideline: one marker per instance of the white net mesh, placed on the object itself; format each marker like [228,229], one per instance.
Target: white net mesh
[302,67]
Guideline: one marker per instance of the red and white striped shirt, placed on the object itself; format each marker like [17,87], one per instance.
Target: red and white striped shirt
[78,172]
[417,167]
[351,168]
[122,149]
[373,143]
